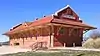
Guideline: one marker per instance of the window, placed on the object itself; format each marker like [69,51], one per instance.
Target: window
[16,43]
[68,16]
[75,32]
[62,31]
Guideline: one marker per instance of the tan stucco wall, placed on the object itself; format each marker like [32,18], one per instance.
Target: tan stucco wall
[29,41]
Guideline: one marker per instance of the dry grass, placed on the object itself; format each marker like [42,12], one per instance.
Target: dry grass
[92,43]
[65,53]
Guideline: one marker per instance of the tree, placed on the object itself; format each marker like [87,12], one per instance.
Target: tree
[95,34]
[93,41]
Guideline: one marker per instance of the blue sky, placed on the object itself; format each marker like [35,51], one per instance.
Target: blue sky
[13,12]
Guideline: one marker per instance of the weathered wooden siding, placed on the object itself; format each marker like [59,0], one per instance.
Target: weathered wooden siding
[70,37]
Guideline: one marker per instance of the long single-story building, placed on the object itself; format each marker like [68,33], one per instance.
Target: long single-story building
[64,28]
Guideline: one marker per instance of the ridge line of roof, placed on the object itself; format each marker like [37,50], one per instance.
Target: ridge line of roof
[56,13]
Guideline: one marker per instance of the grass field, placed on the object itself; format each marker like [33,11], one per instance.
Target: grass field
[60,53]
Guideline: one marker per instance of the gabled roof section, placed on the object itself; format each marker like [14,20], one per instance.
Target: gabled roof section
[64,8]
[16,26]
[19,27]
[22,26]
[27,23]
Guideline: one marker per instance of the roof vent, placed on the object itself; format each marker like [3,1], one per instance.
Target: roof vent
[11,29]
[36,19]
[44,16]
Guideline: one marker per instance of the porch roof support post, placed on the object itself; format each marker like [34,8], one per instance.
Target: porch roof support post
[59,29]
[22,34]
[52,35]
[32,33]
[10,38]
[41,32]
[64,45]
[24,37]
[48,30]
[37,35]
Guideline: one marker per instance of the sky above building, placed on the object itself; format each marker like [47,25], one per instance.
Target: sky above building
[13,12]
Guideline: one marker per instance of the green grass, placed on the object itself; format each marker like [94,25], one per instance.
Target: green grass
[61,53]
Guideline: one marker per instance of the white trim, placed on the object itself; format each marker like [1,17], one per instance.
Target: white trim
[15,25]
[79,18]
[52,15]
[19,24]
[56,13]
[61,9]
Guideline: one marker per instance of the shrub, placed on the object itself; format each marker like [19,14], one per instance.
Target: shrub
[92,43]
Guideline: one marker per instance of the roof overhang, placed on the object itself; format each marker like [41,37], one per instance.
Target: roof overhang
[73,24]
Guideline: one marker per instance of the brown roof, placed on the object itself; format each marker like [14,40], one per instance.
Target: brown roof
[41,21]
[48,19]
[22,26]
[71,22]
[19,27]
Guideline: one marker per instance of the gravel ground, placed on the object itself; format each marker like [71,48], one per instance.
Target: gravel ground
[10,49]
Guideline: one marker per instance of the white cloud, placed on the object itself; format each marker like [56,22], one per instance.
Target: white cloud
[3,38]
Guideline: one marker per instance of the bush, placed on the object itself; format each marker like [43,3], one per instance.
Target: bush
[92,43]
